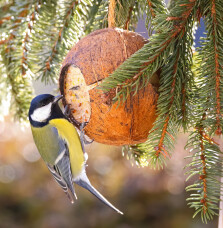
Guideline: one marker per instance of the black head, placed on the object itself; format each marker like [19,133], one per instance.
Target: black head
[43,108]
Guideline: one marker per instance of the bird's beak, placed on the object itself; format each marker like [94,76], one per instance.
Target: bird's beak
[57,98]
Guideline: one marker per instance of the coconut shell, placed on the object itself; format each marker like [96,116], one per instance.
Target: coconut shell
[98,55]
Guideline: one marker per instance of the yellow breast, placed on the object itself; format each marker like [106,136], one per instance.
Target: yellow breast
[69,133]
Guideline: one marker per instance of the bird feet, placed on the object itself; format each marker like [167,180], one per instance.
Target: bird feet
[81,126]
[82,136]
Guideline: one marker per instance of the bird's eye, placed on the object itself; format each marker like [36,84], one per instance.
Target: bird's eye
[43,104]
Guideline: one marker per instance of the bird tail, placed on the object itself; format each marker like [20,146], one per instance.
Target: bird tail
[84,182]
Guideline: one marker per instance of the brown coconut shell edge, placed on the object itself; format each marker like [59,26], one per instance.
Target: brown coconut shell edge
[129,130]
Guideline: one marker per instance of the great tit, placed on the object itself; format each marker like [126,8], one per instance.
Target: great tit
[60,146]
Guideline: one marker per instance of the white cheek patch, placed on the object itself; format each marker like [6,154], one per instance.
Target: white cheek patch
[42,114]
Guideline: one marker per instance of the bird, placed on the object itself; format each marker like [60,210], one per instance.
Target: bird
[60,146]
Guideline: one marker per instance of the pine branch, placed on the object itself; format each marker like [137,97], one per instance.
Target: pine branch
[136,12]
[69,24]
[145,61]
[19,84]
[4,89]
[206,167]
[153,9]
[171,4]
[68,15]
[26,41]
[218,59]
[160,149]
[101,16]
[29,46]
[126,26]
[93,13]
[206,164]
[4,19]
[170,104]
[127,14]
[209,63]
[13,24]
[50,20]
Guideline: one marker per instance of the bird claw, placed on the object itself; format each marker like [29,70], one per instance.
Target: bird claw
[67,112]
[88,142]
[82,136]
[82,126]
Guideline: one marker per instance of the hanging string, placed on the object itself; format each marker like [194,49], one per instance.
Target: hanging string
[111,14]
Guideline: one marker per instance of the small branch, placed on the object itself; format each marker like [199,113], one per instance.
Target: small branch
[220,219]
[24,13]
[210,140]
[160,147]
[128,18]
[176,30]
[151,8]
[173,18]
[170,136]
[54,48]
[6,40]
[5,19]
[199,15]
[184,102]
[203,176]
[217,70]
[26,39]
[164,131]
[14,91]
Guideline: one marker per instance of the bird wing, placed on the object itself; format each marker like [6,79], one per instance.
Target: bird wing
[61,169]
[54,151]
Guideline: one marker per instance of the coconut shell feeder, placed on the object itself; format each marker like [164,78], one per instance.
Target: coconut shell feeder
[91,60]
